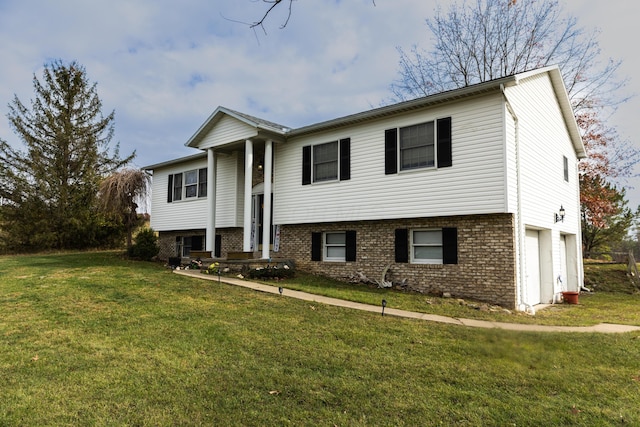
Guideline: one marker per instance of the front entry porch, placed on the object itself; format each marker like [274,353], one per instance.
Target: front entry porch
[257,229]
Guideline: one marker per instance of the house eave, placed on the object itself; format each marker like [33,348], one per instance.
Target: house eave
[271,130]
[565,104]
[406,106]
[185,159]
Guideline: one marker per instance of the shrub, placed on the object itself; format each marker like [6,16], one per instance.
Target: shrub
[145,246]
[272,272]
[213,268]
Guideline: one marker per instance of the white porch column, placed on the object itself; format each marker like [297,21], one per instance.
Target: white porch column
[248,185]
[266,221]
[210,244]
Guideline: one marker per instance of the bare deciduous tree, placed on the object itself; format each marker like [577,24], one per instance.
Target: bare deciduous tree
[273,4]
[489,39]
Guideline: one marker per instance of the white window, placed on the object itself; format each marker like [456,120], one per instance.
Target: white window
[426,246]
[186,244]
[325,162]
[417,147]
[565,165]
[188,184]
[177,187]
[335,246]
[191,183]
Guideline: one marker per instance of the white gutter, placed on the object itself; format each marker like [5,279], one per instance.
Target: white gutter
[522,304]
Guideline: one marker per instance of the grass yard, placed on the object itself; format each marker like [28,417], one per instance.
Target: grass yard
[92,339]
[615,300]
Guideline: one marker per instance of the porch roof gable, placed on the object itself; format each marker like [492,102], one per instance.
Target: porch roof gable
[246,126]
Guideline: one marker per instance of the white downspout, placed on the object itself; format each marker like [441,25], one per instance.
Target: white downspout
[522,304]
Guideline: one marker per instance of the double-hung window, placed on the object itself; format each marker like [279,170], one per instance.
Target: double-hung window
[176,188]
[426,246]
[325,162]
[202,182]
[191,184]
[187,185]
[417,148]
[330,161]
[423,145]
[334,248]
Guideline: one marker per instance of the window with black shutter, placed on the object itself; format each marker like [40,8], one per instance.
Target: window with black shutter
[423,145]
[326,162]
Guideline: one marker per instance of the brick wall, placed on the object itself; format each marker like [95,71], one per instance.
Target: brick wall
[486,255]
[231,240]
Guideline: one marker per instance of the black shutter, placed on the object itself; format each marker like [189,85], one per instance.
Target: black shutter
[449,245]
[345,159]
[350,246]
[390,151]
[306,165]
[402,245]
[217,249]
[444,143]
[316,246]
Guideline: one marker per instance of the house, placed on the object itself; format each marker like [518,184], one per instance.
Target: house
[472,192]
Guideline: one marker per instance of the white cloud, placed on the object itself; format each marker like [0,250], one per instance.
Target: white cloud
[164,66]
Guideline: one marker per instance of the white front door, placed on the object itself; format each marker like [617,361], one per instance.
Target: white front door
[532,254]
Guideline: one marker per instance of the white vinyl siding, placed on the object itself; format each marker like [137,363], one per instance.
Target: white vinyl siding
[227,129]
[473,185]
[191,213]
[180,215]
[543,141]
[230,190]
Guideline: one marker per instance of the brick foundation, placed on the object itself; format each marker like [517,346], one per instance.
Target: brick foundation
[486,256]
[231,241]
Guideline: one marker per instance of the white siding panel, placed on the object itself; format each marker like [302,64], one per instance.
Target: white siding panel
[179,215]
[473,185]
[227,130]
[192,214]
[229,190]
[543,141]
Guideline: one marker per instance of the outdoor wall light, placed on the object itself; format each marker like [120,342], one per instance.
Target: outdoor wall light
[560,215]
[260,165]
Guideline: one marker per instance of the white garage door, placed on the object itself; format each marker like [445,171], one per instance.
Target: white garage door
[532,247]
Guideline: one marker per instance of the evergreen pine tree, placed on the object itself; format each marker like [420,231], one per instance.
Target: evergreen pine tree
[49,191]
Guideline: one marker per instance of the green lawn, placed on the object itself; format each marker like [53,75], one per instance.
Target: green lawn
[91,339]
[615,300]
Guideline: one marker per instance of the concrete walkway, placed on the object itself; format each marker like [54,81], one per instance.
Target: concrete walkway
[602,327]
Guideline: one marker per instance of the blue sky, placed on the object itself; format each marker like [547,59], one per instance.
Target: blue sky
[164,66]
